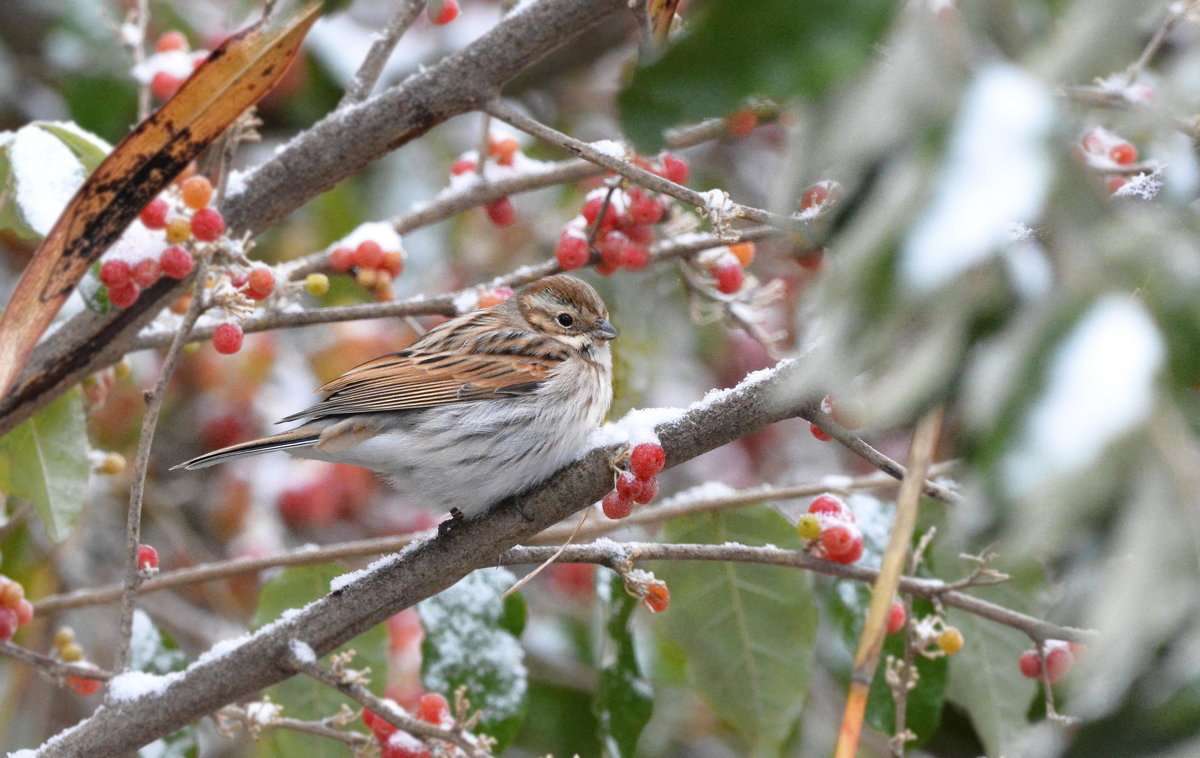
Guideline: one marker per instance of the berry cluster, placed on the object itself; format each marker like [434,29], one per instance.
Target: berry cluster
[639,484]
[373,267]
[124,279]
[70,651]
[830,527]
[619,222]
[504,150]
[1060,657]
[171,64]
[393,743]
[15,610]
[931,632]
[1105,150]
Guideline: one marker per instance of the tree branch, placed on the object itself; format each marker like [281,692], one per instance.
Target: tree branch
[398,581]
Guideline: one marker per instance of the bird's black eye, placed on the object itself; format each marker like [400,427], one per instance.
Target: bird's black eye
[565,320]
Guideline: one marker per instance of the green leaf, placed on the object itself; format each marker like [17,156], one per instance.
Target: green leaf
[466,645]
[624,699]
[90,149]
[748,630]
[44,460]
[303,697]
[732,50]
[39,173]
[154,651]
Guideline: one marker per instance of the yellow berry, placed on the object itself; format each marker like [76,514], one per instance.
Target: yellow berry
[367,277]
[63,637]
[114,463]
[71,652]
[179,229]
[950,641]
[316,284]
[123,368]
[808,527]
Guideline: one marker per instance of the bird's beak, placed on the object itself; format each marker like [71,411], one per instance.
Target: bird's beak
[604,330]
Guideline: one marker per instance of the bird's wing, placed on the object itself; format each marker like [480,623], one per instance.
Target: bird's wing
[412,379]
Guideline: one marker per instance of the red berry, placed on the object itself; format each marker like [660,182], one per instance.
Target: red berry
[1123,153]
[83,685]
[261,282]
[675,169]
[1115,183]
[591,209]
[403,745]
[1093,143]
[462,166]
[646,211]
[125,295]
[154,215]
[442,12]
[628,486]
[832,506]
[147,557]
[571,251]
[612,249]
[495,297]
[115,273]
[1030,664]
[164,84]
[24,612]
[208,224]
[368,254]
[657,597]
[196,192]
[647,459]
[820,433]
[842,543]
[896,617]
[146,272]
[635,257]
[813,196]
[811,259]
[741,122]
[502,212]
[8,623]
[380,728]
[615,506]
[1058,662]
[604,269]
[649,491]
[729,277]
[176,262]
[433,708]
[227,338]
[341,259]
[171,40]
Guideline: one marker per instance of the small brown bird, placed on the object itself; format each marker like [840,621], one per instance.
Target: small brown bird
[482,407]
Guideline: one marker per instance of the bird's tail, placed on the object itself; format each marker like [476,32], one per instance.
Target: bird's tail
[283,441]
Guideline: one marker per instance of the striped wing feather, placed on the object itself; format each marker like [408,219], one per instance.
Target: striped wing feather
[416,379]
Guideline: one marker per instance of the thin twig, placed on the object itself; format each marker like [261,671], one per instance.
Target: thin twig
[16,519]
[1176,12]
[583,516]
[638,175]
[381,49]
[613,554]
[133,523]
[52,667]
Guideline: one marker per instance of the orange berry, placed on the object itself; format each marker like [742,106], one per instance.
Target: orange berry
[393,262]
[179,229]
[744,252]
[742,121]
[657,598]
[196,192]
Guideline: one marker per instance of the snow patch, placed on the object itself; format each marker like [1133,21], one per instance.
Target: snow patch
[46,175]
[997,171]
[302,651]
[1099,386]
[134,685]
